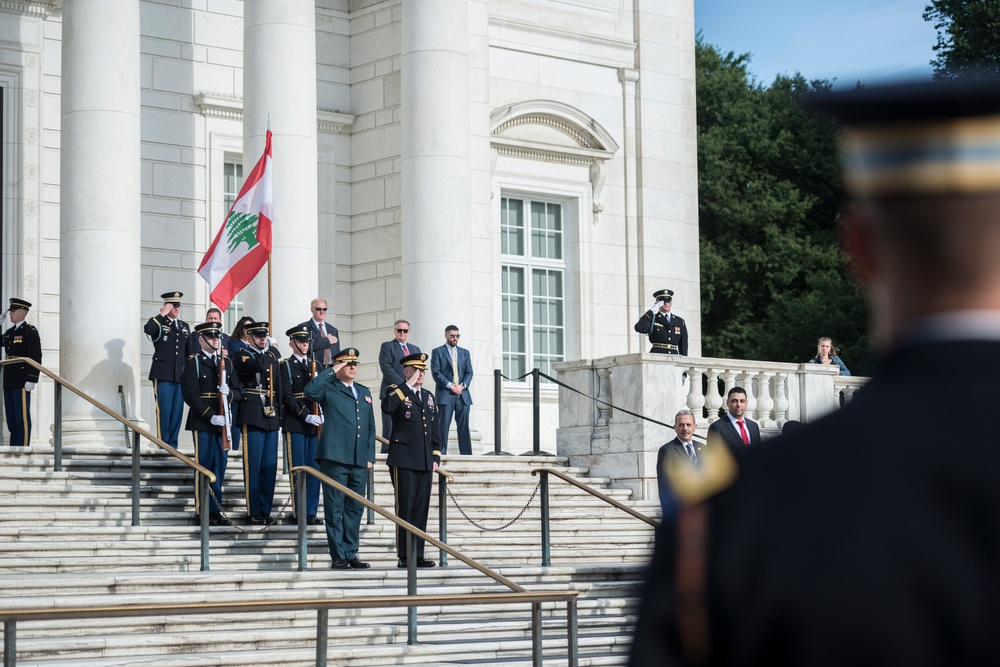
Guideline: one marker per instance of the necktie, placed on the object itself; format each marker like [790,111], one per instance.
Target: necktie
[355,392]
[743,433]
[326,353]
[454,365]
[690,450]
[406,351]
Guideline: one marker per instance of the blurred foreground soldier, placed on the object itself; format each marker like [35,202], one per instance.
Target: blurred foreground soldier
[300,417]
[414,452]
[20,340]
[208,420]
[346,452]
[667,333]
[851,541]
[172,344]
[257,370]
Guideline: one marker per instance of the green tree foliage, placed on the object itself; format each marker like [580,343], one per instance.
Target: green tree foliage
[772,273]
[967,37]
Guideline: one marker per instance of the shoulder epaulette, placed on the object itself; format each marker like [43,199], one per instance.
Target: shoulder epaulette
[399,393]
[192,356]
[692,485]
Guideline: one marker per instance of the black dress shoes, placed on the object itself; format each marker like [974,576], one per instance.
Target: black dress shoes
[217,519]
[313,520]
[401,563]
[256,520]
[340,564]
[425,562]
[356,564]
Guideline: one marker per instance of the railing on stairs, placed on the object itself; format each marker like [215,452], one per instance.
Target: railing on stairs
[203,476]
[322,607]
[544,483]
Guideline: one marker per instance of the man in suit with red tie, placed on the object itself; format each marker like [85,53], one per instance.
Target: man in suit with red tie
[451,367]
[734,428]
[389,356]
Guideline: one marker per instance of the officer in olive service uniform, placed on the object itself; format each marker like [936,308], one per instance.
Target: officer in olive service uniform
[861,538]
[414,451]
[300,416]
[258,373]
[172,344]
[207,418]
[668,333]
[346,452]
[20,340]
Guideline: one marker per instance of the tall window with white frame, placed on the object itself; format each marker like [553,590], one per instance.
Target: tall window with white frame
[533,284]
[232,179]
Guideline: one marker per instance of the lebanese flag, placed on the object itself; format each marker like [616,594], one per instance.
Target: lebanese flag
[242,246]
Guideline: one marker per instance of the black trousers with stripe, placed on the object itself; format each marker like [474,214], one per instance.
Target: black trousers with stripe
[413,499]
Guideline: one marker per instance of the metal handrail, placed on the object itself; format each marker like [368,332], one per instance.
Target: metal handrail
[322,606]
[203,476]
[544,483]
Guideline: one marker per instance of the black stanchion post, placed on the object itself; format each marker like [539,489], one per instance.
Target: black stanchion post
[536,420]
[497,414]
[300,520]
[546,538]
[411,587]
[443,517]
[371,494]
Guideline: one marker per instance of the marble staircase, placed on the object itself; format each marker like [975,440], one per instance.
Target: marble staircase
[66,541]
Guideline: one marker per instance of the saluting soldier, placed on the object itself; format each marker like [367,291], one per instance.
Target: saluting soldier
[172,344]
[207,418]
[20,340]
[257,371]
[667,332]
[346,451]
[414,451]
[300,416]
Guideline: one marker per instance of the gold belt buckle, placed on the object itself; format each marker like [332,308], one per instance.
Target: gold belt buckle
[268,410]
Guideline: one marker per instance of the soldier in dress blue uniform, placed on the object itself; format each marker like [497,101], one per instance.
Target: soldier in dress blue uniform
[346,451]
[257,370]
[172,344]
[21,340]
[414,451]
[300,417]
[207,421]
[668,333]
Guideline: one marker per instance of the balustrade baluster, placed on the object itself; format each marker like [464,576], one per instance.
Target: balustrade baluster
[604,394]
[695,397]
[746,381]
[764,401]
[713,399]
[780,399]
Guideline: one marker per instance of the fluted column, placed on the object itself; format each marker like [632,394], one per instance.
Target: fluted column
[100,328]
[279,82]
[436,169]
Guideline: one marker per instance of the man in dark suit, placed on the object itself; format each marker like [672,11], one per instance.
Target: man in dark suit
[172,342]
[667,333]
[451,367]
[325,342]
[733,428]
[201,386]
[854,540]
[20,340]
[346,451]
[414,452]
[389,356]
[681,451]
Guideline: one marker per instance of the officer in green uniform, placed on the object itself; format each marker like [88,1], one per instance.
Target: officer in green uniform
[346,452]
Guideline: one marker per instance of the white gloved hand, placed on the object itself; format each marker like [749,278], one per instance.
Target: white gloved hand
[224,389]
[3,316]
[271,342]
[656,306]
[28,386]
[315,420]
[219,420]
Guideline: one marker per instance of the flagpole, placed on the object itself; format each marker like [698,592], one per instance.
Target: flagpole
[270,303]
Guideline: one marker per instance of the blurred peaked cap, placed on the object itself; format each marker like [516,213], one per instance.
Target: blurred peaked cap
[918,138]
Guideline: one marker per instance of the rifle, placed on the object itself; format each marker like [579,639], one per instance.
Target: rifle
[224,405]
[316,408]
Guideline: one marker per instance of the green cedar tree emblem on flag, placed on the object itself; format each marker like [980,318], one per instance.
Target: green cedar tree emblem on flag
[242,227]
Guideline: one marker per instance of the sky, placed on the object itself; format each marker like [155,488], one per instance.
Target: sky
[841,40]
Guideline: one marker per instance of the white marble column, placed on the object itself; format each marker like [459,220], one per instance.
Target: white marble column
[279,82]
[100,327]
[436,169]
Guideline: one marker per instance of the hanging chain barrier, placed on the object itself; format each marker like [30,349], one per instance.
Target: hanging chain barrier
[267,527]
[503,527]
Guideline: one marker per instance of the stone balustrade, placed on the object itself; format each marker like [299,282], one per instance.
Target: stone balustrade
[615,444]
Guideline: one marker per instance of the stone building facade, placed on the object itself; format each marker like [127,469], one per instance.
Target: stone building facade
[524,169]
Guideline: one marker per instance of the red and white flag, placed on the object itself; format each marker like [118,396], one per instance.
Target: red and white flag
[241,247]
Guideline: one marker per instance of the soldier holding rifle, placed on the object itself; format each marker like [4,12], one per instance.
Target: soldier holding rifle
[257,370]
[301,419]
[209,388]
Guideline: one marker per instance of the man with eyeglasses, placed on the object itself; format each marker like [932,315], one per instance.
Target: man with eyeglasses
[451,367]
[325,342]
[389,356]
[667,332]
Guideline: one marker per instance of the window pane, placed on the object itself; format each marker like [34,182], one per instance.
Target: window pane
[546,230]
[232,179]
[511,226]
[547,331]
